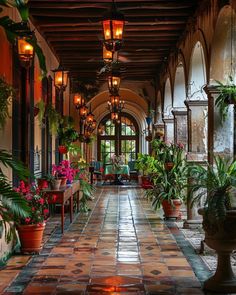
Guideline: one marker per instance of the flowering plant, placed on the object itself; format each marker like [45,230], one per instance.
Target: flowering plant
[64,169]
[167,151]
[36,201]
[117,161]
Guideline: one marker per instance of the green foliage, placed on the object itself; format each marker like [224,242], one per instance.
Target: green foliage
[12,30]
[167,184]
[54,119]
[87,190]
[213,185]
[41,106]
[227,95]
[6,94]
[12,206]
[142,163]
[21,6]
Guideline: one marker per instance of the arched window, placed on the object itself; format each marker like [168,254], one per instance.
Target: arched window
[118,139]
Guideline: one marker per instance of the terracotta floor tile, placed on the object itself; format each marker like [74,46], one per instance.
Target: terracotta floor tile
[120,247]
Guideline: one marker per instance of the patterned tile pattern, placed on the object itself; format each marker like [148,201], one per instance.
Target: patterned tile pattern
[122,247]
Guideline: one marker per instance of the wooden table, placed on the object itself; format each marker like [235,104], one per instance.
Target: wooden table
[62,196]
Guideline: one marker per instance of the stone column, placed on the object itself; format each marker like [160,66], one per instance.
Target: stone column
[169,129]
[180,127]
[197,149]
[220,134]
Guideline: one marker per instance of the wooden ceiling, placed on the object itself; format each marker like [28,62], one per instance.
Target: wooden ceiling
[73,30]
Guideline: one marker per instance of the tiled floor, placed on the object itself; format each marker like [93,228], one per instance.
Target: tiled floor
[122,247]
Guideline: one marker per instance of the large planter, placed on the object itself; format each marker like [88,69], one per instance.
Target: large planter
[171,210]
[221,238]
[31,236]
[63,181]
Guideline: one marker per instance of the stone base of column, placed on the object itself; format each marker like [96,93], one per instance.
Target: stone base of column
[192,223]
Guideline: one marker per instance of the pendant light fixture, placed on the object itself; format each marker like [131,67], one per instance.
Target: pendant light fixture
[113,28]
[114,82]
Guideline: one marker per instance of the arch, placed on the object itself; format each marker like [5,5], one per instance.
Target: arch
[179,87]
[223,51]
[167,99]
[197,73]
[118,139]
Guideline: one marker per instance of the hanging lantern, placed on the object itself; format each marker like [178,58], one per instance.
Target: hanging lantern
[113,27]
[114,99]
[60,78]
[83,111]
[114,116]
[94,125]
[89,118]
[114,83]
[109,56]
[78,100]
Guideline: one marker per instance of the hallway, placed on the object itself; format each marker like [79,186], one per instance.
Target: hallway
[124,248]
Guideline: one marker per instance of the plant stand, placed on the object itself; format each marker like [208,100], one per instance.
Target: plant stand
[223,240]
[223,280]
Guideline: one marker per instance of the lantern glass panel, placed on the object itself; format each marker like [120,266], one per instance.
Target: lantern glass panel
[25,49]
[117,28]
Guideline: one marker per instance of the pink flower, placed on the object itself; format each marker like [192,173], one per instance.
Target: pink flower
[27,220]
[41,201]
[45,211]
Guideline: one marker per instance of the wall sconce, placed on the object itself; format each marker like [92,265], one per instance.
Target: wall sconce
[113,28]
[25,50]
[60,78]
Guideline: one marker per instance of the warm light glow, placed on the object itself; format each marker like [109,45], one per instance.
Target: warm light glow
[113,33]
[114,116]
[25,49]
[114,83]
[83,111]
[60,79]
[78,100]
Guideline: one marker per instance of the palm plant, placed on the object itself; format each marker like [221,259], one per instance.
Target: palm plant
[12,205]
[213,185]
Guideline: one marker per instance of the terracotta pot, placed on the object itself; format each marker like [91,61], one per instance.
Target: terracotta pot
[31,236]
[55,184]
[169,165]
[222,238]
[63,181]
[42,183]
[172,210]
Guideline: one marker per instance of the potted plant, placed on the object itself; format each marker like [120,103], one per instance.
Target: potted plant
[213,185]
[142,165]
[168,187]
[30,229]
[12,205]
[226,96]
[64,171]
